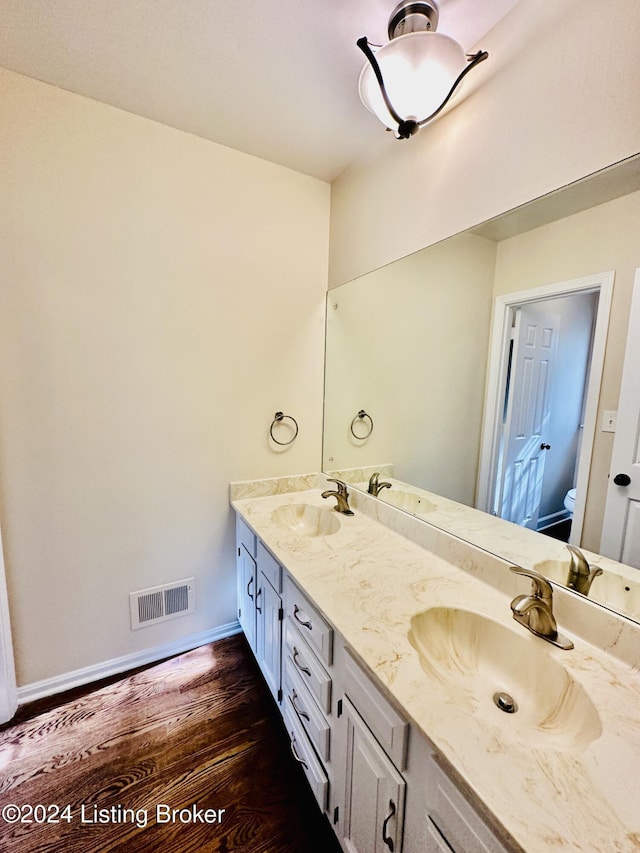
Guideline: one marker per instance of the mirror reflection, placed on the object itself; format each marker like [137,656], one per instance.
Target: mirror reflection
[490,368]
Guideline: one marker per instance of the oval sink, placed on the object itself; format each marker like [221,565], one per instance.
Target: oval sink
[408,501]
[306,519]
[555,570]
[480,661]
[611,589]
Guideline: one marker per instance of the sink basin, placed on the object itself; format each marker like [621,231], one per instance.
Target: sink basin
[408,501]
[476,659]
[613,590]
[306,519]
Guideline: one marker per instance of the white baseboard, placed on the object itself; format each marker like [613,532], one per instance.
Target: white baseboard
[78,677]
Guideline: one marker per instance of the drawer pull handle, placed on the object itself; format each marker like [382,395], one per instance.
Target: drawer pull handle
[249,587]
[292,699]
[304,669]
[303,622]
[295,753]
[258,594]
[386,838]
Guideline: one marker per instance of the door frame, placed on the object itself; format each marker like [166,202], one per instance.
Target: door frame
[8,687]
[602,283]
[613,526]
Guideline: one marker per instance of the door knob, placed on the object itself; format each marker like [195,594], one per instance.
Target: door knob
[622,479]
[545,447]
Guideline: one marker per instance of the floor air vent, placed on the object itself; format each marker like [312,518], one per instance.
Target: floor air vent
[159,603]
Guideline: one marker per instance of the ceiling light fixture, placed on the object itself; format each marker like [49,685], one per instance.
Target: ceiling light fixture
[416,73]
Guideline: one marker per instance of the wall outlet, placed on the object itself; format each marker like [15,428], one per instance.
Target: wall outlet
[609,420]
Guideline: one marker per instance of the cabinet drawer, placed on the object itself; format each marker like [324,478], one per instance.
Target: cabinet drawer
[304,754]
[245,536]
[391,730]
[305,708]
[311,671]
[269,566]
[316,631]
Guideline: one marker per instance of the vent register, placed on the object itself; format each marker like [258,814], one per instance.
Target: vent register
[161,603]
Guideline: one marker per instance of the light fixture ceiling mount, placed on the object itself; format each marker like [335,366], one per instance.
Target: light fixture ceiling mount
[416,73]
[413,17]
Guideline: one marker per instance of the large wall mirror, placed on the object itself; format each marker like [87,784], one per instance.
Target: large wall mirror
[428,374]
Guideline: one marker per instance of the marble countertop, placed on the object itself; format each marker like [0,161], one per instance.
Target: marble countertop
[548,793]
[618,587]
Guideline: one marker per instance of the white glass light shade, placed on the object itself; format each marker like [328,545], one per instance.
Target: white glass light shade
[418,70]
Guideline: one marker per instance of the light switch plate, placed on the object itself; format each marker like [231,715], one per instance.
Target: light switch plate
[609,420]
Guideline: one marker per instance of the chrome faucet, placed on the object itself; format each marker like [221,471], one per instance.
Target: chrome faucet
[341,495]
[535,611]
[375,485]
[581,575]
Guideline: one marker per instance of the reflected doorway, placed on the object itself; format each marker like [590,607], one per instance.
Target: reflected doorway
[543,387]
[543,412]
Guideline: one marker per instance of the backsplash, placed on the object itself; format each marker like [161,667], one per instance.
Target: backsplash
[595,624]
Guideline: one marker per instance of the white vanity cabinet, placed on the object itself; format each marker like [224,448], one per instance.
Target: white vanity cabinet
[260,612]
[372,739]
[269,617]
[307,690]
[306,756]
[377,780]
[451,823]
[371,812]
[246,580]
[385,792]
[440,817]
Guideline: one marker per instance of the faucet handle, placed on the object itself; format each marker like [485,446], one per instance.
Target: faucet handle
[342,486]
[540,586]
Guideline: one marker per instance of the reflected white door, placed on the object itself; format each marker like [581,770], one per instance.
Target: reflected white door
[527,416]
[621,528]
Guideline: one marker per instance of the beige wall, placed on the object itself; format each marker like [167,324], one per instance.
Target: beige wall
[162,297]
[394,342]
[556,100]
[597,240]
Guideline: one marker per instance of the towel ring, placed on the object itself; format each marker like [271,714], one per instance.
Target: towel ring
[362,416]
[278,418]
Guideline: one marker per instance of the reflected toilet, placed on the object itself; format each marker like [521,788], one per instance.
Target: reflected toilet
[570,501]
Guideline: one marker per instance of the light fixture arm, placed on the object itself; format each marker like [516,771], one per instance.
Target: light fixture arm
[408,127]
[363,44]
[473,60]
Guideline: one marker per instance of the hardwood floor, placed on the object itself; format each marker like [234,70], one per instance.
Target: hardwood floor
[199,731]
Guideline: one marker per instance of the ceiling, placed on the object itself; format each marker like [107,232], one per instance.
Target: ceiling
[273,78]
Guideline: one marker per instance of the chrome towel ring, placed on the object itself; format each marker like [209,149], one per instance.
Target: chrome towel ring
[362,416]
[278,418]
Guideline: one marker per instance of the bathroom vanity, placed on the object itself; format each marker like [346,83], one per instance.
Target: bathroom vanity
[388,646]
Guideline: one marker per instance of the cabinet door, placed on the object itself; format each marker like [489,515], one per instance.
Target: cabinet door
[452,818]
[372,812]
[269,635]
[434,842]
[247,594]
